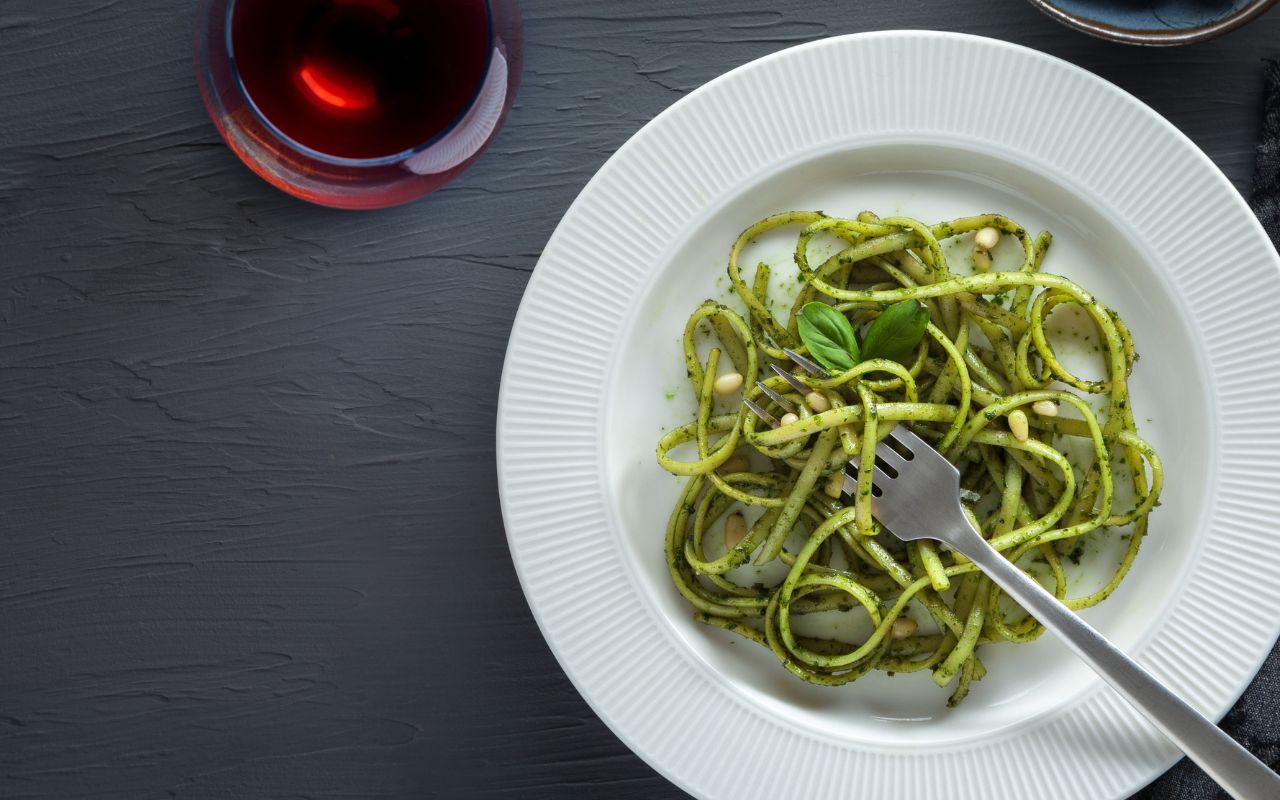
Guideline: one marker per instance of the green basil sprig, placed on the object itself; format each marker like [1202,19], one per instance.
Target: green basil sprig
[897,332]
[894,335]
[828,335]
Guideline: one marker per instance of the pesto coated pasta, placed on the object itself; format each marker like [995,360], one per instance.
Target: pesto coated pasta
[969,364]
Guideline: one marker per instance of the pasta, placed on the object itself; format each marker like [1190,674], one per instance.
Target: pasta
[984,384]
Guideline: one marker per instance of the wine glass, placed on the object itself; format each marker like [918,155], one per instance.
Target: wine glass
[358,103]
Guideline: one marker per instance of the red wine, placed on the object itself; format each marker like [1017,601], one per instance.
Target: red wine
[360,79]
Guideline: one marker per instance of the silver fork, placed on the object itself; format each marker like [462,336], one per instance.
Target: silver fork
[917,496]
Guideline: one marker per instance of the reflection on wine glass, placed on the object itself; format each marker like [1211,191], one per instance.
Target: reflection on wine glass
[358,103]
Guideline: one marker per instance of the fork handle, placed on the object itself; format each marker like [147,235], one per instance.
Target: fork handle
[1237,771]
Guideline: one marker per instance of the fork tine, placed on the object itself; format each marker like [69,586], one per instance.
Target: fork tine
[890,456]
[795,382]
[775,397]
[761,413]
[881,477]
[903,435]
[805,364]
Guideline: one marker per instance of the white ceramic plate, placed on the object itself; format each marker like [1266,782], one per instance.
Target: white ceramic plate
[934,126]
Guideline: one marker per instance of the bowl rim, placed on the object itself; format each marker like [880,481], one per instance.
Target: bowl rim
[1115,33]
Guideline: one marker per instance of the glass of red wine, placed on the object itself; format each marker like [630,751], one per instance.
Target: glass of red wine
[358,103]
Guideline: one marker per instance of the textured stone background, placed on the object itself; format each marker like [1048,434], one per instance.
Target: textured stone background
[251,545]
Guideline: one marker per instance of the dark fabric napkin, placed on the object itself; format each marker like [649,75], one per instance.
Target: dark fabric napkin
[1255,719]
[1266,173]
[1253,722]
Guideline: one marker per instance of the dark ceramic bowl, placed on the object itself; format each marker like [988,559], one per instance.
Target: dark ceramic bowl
[1154,22]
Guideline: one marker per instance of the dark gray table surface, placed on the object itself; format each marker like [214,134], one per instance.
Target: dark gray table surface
[250,543]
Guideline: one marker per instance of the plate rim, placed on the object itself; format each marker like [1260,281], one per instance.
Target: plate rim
[540,276]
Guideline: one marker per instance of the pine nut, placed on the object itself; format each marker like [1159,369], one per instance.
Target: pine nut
[1045,408]
[1019,425]
[835,485]
[986,239]
[738,463]
[735,530]
[728,383]
[981,260]
[903,627]
[818,402]
[788,419]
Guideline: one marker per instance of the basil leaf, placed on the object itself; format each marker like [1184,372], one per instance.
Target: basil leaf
[897,332]
[828,335]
